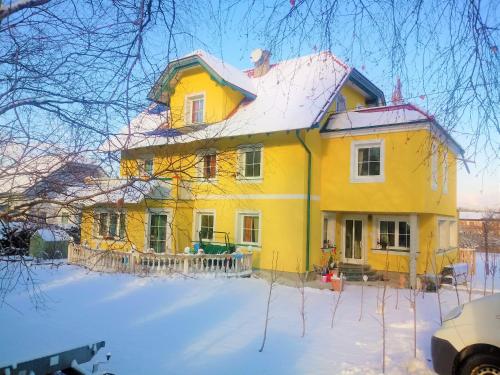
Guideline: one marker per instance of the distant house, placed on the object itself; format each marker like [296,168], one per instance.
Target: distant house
[478,227]
[35,181]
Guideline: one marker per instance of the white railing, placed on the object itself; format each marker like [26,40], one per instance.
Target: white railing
[218,265]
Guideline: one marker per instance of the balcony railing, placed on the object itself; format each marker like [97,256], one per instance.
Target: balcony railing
[217,265]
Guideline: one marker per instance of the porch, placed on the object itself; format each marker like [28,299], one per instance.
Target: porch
[135,262]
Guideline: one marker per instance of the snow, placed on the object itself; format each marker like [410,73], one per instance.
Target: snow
[381,116]
[158,325]
[111,190]
[290,96]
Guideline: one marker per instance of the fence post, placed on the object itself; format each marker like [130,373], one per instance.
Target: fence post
[131,262]
[186,266]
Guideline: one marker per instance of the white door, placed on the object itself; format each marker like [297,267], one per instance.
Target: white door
[353,240]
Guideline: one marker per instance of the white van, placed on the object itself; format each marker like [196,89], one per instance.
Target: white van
[469,340]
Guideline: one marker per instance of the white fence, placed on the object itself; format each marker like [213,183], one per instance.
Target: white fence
[219,265]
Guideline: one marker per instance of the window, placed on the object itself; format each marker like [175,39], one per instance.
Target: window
[251,162]
[396,231]
[64,218]
[367,161]
[447,232]
[207,167]
[110,224]
[340,103]
[145,166]
[148,166]
[249,228]
[205,226]
[195,109]
[434,166]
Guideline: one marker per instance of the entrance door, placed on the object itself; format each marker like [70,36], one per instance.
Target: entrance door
[353,241]
[159,232]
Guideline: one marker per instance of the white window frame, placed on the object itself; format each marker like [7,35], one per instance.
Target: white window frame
[396,219]
[110,211]
[331,228]
[434,165]
[200,165]
[66,215]
[197,223]
[355,145]
[188,107]
[445,172]
[450,239]
[168,242]
[242,162]
[239,227]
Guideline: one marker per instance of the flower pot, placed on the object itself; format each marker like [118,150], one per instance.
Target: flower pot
[337,284]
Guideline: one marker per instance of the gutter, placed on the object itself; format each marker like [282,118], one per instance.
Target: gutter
[308,215]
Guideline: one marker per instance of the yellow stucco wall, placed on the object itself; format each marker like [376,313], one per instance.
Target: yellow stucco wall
[407,184]
[220,100]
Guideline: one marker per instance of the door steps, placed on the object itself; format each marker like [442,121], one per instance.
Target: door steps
[355,272]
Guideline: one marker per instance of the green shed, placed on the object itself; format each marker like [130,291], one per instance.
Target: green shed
[48,243]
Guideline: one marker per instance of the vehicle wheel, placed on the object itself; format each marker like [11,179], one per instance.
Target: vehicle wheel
[481,364]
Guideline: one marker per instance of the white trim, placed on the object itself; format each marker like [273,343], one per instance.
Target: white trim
[256,196]
[355,145]
[451,246]
[239,227]
[446,170]
[196,221]
[331,227]
[240,152]
[168,233]
[188,109]
[364,229]
[200,154]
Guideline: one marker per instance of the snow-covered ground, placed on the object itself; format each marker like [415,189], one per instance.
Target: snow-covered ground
[215,326]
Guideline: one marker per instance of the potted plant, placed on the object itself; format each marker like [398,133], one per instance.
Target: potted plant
[384,241]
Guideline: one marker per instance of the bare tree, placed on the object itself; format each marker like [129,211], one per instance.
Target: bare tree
[272,283]
[301,281]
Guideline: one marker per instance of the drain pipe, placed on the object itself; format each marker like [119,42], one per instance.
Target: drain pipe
[308,223]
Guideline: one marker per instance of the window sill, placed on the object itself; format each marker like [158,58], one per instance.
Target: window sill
[250,180]
[404,252]
[367,179]
[110,239]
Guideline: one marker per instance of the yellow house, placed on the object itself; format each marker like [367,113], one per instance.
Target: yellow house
[300,158]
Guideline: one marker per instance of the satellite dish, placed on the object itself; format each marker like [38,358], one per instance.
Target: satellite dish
[256,55]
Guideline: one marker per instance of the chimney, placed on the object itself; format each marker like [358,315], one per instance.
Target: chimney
[260,59]
[397,96]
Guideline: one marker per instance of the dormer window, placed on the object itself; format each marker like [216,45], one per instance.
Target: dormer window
[195,109]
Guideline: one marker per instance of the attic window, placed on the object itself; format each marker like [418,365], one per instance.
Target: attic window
[195,109]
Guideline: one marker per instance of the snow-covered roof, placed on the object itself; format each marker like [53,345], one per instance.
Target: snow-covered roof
[112,191]
[52,235]
[379,116]
[290,96]
[404,115]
